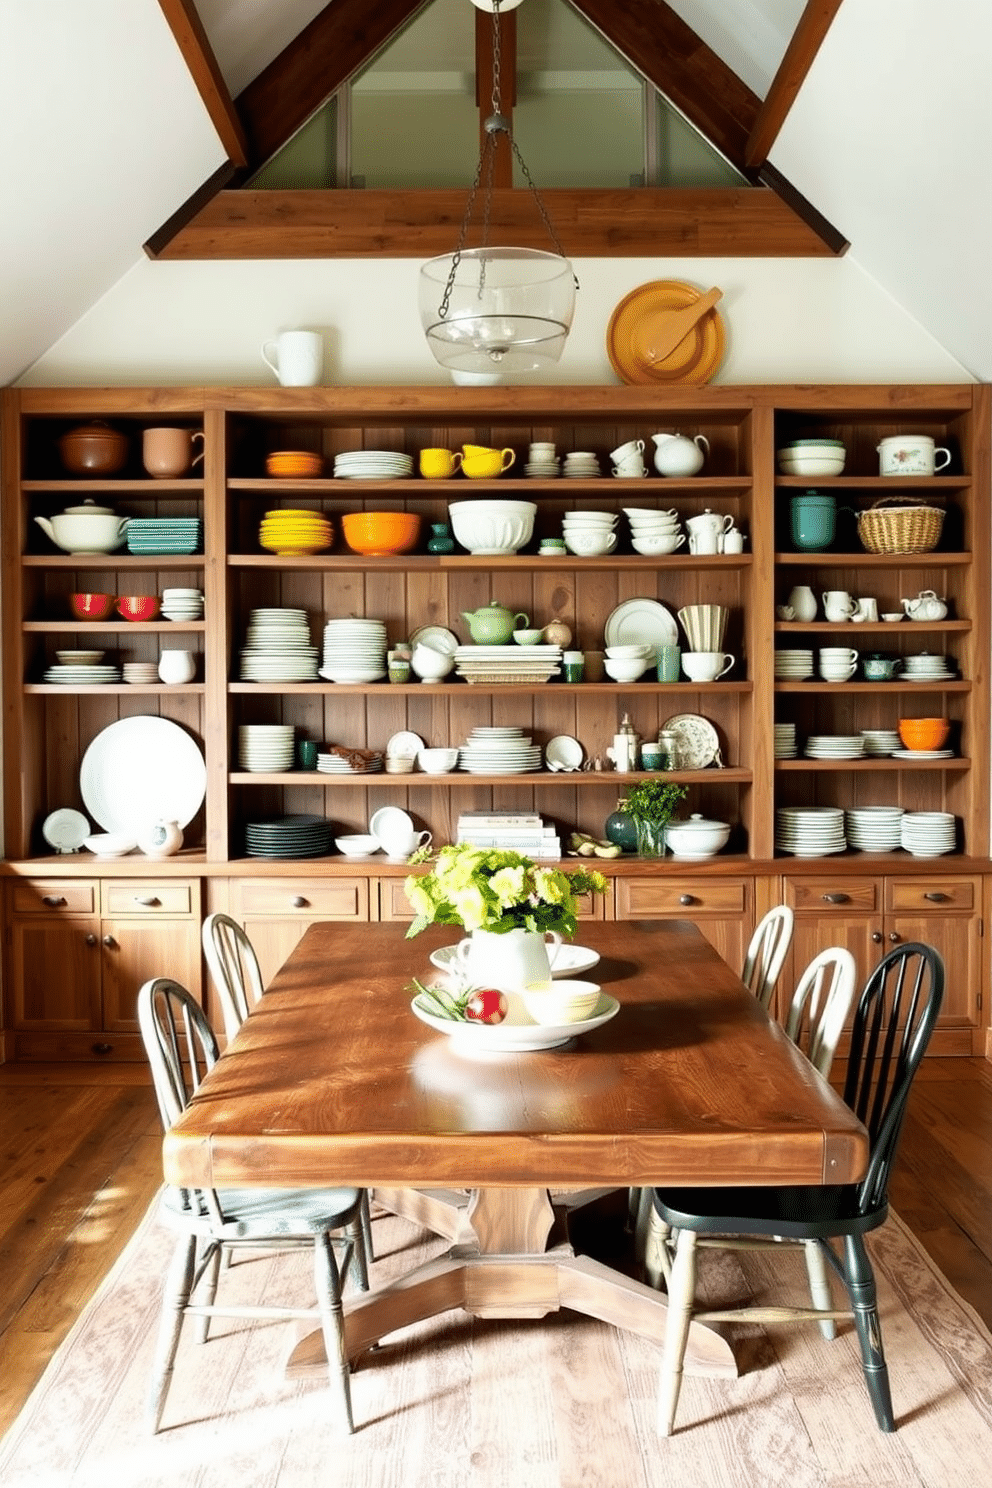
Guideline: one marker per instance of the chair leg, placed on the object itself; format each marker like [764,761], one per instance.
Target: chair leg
[657,1255]
[367,1229]
[681,1292]
[359,1255]
[178,1285]
[861,1285]
[211,1272]
[819,1286]
[328,1285]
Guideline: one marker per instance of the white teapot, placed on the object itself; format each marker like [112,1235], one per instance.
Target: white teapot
[674,454]
[160,838]
[926,606]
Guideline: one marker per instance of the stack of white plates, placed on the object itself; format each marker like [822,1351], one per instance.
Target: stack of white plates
[265,746]
[278,647]
[922,754]
[793,664]
[927,834]
[810,831]
[926,668]
[141,673]
[182,604]
[543,467]
[834,746]
[495,664]
[164,534]
[880,742]
[82,676]
[785,741]
[354,650]
[582,465]
[373,465]
[349,761]
[874,828]
[499,751]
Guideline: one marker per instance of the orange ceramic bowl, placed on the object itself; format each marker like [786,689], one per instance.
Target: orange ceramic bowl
[924,733]
[91,606]
[298,464]
[377,534]
[139,606]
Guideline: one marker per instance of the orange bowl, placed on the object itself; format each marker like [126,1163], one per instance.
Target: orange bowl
[294,463]
[91,606]
[377,534]
[138,606]
[924,733]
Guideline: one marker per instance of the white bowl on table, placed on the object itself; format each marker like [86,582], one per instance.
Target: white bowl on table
[566,1000]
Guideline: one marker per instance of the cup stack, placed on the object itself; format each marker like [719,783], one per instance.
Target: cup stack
[542,461]
[704,625]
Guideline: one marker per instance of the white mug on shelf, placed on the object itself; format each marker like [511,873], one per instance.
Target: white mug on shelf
[298,359]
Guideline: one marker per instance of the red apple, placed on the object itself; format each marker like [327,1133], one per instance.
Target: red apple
[486,1005]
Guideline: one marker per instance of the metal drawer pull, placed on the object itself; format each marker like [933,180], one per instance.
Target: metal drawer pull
[91,939]
[53,900]
[894,936]
[686,899]
[836,898]
[102,1048]
[299,902]
[148,900]
[937,897]
[876,936]
[109,941]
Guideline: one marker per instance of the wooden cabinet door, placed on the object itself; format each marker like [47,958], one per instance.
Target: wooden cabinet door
[55,973]
[131,951]
[273,939]
[959,940]
[855,932]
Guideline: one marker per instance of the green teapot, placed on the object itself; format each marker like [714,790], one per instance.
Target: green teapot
[493,624]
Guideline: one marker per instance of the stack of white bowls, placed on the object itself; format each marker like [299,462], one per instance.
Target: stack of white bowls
[927,834]
[654,533]
[278,648]
[874,828]
[879,742]
[263,747]
[810,831]
[182,604]
[354,650]
[793,664]
[627,663]
[589,534]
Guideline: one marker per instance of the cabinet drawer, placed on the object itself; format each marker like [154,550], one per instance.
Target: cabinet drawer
[638,898]
[338,898]
[934,895]
[135,898]
[824,896]
[43,896]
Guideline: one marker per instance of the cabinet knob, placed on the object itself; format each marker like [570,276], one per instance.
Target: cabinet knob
[876,936]
[102,1048]
[685,899]
[109,942]
[91,939]
[52,901]
[936,897]
[894,936]
[299,902]
[836,898]
[147,900]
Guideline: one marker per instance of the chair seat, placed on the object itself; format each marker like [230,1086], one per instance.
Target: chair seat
[265,1213]
[796,1213]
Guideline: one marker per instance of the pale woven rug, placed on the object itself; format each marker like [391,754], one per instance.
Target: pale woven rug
[556,1403]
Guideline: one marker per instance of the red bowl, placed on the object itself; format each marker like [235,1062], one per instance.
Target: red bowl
[138,606]
[91,606]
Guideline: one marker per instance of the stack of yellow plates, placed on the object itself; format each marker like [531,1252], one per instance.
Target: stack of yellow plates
[288,531]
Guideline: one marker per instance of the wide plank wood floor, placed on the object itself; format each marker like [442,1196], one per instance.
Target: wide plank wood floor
[80,1162]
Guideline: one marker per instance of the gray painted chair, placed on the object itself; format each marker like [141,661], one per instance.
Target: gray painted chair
[233,968]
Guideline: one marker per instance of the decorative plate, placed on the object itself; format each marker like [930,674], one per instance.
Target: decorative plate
[641,622]
[645,310]
[518,1033]
[65,830]
[698,741]
[390,818]
[436,636]
[139,769]
[571,960]
[404,742]
[563,753]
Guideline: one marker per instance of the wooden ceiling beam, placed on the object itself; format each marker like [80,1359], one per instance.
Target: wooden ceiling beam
[191,39]
[647,222]
[814,23]
[659,44]
[338,41]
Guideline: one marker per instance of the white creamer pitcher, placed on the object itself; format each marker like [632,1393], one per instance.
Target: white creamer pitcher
[512,961]
[675,455]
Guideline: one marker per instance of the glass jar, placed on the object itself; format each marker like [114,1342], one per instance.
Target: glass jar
[650,838]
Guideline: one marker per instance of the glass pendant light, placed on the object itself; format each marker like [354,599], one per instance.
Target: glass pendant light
[489,312]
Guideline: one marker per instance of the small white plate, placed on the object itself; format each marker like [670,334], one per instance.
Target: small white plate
[564,753]
[404,742]
[65,830]
[571,960]
[518,1033]
[389,819]
[436,636]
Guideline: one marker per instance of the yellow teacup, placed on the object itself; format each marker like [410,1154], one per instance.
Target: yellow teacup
[438,464]
[485,464]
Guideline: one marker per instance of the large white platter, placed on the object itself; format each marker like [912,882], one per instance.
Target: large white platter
[140,769]
[518,1033]
[641,622]
[571,960]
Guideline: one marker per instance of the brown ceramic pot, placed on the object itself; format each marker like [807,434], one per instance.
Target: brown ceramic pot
[93,449]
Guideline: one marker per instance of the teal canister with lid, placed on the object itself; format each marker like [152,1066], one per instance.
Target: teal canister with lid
[814,520]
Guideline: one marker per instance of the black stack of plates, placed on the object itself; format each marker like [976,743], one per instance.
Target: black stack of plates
[288,837]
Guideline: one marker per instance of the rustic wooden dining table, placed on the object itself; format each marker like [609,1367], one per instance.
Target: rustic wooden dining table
[333,1080]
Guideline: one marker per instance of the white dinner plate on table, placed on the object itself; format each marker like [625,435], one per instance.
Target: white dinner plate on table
[518,1033]
[571,960]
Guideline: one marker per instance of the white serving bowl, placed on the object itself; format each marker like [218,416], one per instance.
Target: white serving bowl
[358,845]
[697,837]
[654,547]
[110,844]
[437,761]
[562,1001]
[812,460]
[429,664]
[492,527]
[625,671]
[629,653]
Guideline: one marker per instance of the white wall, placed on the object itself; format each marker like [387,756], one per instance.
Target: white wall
[191,323]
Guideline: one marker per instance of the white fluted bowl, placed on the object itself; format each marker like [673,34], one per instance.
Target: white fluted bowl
[492,527]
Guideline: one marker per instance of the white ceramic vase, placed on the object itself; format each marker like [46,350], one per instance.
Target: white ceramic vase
[511,962]
[176,667]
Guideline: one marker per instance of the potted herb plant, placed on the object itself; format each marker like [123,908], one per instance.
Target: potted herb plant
[651,804]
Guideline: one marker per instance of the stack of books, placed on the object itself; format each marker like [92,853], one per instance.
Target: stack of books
[522,831]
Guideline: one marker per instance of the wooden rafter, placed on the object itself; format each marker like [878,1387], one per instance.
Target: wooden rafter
[187,28]
[814,23]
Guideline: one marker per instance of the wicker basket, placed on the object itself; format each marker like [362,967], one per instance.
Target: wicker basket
[888,528]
